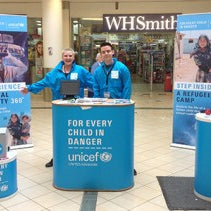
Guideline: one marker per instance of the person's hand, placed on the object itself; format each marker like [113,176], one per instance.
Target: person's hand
[24,90]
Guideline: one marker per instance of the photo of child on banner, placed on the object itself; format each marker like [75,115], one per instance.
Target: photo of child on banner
[202,58]
[18,130]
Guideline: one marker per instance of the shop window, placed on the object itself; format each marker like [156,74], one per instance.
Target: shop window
[35,49]
[128,48]
[87,37]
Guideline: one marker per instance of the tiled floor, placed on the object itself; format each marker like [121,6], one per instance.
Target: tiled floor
[153,157]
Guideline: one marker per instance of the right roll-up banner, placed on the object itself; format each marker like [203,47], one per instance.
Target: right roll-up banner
[192,75]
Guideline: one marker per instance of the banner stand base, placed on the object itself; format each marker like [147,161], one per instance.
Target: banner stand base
[21,146]
[183,146]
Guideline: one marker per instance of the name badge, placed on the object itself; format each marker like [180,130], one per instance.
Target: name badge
[114,74]
[74,76]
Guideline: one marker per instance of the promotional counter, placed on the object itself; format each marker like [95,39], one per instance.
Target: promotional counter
[202,182]
[93,144]
[8,175]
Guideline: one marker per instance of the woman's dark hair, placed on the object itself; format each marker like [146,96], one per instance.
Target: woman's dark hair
[18,119]
[14,115]
[206,38]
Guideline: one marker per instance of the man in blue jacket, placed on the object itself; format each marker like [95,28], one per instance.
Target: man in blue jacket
[67,69]
[112,78]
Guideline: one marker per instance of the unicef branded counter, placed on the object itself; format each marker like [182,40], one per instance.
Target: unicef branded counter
[93,144]
[202,181]
[8,176]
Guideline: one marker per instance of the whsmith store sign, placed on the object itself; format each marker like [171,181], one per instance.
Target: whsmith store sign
[139,23]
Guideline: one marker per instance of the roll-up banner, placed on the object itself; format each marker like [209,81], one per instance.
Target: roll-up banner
[15,113]
[192,76]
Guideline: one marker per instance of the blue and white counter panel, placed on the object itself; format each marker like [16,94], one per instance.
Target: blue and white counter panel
[93,145]
[8,175]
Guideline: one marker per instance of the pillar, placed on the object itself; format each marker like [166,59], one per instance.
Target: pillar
[66,24]
[52,36]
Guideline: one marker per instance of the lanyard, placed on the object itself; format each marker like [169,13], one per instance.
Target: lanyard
[66,74]
[107,73]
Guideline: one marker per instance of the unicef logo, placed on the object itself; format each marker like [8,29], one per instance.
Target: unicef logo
[4,188]
[1,148]
[105,157]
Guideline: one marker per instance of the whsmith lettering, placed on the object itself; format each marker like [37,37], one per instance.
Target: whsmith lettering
[118,23]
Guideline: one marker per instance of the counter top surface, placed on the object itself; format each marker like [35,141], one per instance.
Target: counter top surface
[93,102]
[203,117]
[11,155]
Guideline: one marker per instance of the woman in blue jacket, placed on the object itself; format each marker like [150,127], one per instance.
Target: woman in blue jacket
[112,78]
[67,69]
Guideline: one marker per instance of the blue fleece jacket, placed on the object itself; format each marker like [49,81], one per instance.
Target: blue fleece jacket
[53,78]
[114,79]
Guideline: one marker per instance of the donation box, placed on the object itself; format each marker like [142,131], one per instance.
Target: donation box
[93,145]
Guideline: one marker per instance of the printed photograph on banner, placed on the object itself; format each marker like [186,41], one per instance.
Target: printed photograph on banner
[13,57]
[192,51]
[18,129]
[192,75]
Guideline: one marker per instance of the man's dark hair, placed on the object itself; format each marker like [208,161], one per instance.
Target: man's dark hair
[106,44]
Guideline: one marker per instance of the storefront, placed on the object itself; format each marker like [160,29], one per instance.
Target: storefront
[35,49]
[145,43]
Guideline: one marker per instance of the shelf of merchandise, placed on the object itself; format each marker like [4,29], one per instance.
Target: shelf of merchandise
[86,51]
[158,66]
[152,64]
[128,55]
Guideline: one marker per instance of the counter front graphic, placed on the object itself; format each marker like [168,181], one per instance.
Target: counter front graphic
[93,146]
[8,176]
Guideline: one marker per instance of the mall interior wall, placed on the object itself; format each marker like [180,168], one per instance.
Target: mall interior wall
[96,8]
[32,9]
[78,9]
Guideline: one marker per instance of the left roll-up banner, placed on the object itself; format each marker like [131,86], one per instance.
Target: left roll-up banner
[15,108]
